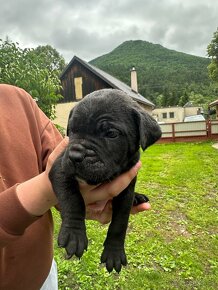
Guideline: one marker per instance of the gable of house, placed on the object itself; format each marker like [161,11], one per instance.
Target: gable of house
[80,78]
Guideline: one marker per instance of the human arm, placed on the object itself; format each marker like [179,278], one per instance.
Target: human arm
[35,196]
[97,199]
[15,218]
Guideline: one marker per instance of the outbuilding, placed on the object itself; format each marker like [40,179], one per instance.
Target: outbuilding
[80,78]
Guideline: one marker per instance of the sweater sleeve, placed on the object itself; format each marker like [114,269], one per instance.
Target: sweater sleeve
[43,137]
[14,219]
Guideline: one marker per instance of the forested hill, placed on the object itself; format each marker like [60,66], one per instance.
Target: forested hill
[161,71]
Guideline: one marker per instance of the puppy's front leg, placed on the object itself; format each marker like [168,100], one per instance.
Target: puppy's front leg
[72,235]
[114,253]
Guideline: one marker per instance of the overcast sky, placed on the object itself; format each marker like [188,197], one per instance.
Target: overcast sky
[91,28]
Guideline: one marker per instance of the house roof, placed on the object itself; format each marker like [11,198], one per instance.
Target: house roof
[214,103]
[112,81]
[188,105]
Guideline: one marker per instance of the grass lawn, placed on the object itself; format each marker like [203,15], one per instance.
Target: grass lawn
[172,246]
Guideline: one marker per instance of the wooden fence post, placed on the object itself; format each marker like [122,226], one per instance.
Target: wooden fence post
[173,131]
[209,132]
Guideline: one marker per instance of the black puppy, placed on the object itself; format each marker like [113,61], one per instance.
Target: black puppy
[105,132]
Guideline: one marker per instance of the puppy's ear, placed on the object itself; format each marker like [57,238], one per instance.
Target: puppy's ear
[68,124]
[149,130]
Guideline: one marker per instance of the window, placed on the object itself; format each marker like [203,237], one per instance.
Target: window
[171,114]
[164,115]
[78,88]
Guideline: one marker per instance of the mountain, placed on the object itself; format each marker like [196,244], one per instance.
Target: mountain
[160,70]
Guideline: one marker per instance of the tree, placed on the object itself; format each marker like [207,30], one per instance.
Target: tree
[50,58]
[212,51]
[183,99]
[28,70]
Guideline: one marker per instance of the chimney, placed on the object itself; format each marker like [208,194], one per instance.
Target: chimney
[134,84]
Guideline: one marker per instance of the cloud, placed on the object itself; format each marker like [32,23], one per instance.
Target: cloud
[92,28]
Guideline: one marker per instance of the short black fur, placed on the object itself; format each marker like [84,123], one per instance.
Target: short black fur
[106,130]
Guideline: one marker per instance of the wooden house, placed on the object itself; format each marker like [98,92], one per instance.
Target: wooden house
[80,78]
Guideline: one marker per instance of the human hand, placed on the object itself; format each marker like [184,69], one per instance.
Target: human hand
[104,215]
[55,153]
[98,200]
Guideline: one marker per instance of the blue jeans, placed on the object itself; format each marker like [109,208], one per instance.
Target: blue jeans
[51,283]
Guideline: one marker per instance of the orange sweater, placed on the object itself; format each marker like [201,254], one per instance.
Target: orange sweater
[27,137]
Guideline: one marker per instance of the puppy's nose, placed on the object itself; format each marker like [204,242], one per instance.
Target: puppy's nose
[76,153]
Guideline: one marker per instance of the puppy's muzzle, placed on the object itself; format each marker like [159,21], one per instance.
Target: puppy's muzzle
[78,153]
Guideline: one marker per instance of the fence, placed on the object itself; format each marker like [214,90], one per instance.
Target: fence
[189,131]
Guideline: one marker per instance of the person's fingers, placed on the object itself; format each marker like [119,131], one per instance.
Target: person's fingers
[106,215]
[141,207]
[87,194]
[111,189]
[58,150]
[84,187]
[97,206]
[103,216]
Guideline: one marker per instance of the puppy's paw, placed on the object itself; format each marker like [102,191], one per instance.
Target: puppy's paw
[140,198]
[114,259]
[73,240]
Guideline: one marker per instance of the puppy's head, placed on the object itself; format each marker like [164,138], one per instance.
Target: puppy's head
[105,131]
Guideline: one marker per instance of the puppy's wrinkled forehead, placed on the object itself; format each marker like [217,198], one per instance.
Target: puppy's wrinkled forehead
[105,106]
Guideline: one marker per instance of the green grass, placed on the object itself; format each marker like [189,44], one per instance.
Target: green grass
[172,246]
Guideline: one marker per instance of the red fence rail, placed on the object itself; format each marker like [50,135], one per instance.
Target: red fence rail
[189,131]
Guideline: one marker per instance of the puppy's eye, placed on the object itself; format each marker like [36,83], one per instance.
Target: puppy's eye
[112,133]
